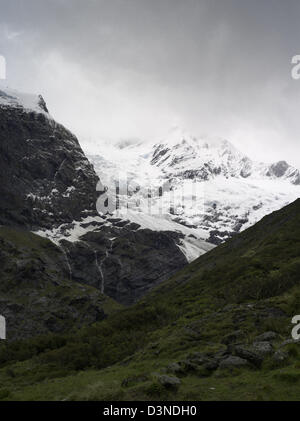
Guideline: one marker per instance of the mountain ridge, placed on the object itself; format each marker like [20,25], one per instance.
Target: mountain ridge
[226,158]
[232,191]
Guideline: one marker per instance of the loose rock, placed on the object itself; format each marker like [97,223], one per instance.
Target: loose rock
[233,361]
[168,381]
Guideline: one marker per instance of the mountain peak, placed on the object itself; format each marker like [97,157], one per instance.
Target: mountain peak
[29,102]
[179,137]
[181,151]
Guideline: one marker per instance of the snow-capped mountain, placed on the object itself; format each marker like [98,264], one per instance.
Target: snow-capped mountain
[28,102]
[185,156]
[174,199]
[213,188]
[49,187]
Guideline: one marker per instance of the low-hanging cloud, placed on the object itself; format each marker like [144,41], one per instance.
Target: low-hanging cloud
[135,68]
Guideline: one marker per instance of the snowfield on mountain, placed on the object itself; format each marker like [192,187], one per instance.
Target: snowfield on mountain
[213,188]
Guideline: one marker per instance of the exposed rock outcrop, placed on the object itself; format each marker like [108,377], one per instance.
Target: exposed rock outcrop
[37,295]
[48,186]
[46,179]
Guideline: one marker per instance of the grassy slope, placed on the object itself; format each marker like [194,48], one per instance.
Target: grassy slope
[36,294]
[251,283]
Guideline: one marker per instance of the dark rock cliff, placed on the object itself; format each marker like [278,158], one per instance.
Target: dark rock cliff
[45,177]
[123,262]
[48,183]
[37,295]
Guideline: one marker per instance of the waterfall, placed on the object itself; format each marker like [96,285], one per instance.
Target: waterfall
[98,265]
[67,261]
[101,287]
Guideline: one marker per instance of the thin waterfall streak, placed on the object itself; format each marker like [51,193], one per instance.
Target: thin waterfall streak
[101,287]
[67,261]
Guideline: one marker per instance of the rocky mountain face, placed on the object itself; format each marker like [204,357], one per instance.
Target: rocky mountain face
[46,179]
[37,295]
[124,261]
[213,188]
[48,187]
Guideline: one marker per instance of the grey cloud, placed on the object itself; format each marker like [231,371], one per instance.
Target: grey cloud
[133,67]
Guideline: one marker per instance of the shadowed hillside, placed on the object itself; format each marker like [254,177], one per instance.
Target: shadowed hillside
[219,329]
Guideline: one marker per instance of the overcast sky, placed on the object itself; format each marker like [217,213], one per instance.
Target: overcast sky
[135,68]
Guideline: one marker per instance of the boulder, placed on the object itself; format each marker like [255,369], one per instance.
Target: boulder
[262,348]
[249,355]
[168,381]
[232,362]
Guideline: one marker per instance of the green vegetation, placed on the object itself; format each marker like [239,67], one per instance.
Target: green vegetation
[222,301]
[36,293]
